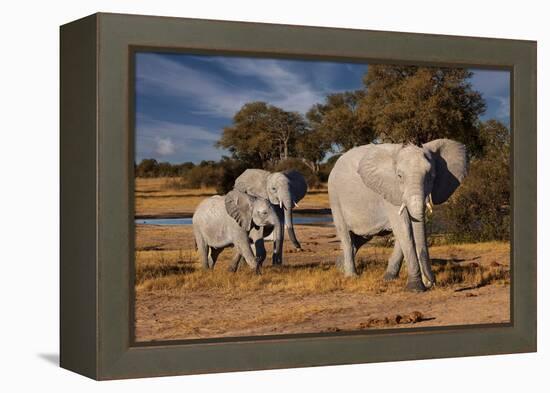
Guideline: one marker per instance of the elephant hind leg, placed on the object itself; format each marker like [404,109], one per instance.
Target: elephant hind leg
[348,263]
[202,250]
[213,257]
[394,263]
[358,242]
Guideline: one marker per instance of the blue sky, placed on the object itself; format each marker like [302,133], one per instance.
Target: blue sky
[184,101]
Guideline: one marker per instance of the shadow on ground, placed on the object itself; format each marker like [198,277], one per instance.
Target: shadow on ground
[52,358]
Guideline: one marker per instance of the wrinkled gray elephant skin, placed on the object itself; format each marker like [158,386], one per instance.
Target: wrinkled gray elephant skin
[377,188]
[283,190]
[222,221]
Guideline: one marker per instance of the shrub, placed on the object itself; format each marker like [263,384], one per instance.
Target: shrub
[311,177]
[480,208]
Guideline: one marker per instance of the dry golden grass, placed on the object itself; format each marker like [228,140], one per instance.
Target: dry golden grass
[154,197]
[177,271]
[159,197]
[316,198]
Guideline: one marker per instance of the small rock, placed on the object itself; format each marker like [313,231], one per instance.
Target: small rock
[416,316]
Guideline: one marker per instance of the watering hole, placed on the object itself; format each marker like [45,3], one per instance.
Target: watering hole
[300,219]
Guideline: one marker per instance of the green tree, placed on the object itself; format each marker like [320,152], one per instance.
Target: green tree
[262,134]
[338,121]
[148,167]
[230,170]
[419,104]
[480,208]
[246,139]
[284,129]
[312,147]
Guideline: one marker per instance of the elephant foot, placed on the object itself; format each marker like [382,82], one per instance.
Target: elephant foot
[351,274]
[389,276]
[277,260]
[415,286]
[232,269]
[428,282]
[258,270]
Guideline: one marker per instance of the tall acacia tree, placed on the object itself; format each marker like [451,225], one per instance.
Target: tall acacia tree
[419,104]
[338,121]
[262,134]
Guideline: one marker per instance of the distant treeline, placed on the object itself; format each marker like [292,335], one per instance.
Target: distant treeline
[222,174]
[397,104]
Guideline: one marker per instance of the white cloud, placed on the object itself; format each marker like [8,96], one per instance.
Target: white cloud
[495,88]
[212,94]
[165,146]
[147,127]
[285,88]
[175,142]
[503,109]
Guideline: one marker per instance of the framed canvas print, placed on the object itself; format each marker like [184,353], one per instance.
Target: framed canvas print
[241,196]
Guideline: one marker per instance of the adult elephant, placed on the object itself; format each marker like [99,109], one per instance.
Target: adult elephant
[284,190]
[381,188]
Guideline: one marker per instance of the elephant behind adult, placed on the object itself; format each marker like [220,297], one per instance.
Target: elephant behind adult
[381,188]
[284,190]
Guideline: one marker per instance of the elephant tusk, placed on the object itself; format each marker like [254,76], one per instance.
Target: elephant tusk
[401,208]
[430,204]
[296,204]
[280,205]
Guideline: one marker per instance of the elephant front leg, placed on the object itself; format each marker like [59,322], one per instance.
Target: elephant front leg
[394,263]
[259,248]
[242,245]
[401,226]
[235,261]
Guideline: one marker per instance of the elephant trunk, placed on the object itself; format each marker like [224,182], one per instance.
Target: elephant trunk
[416,209]
[415,206]
[278,245]
[288,205]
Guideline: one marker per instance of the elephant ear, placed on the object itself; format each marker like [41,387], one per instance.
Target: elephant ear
[253,182]
[451,166]
[377,170]
[239,206]
[297,184]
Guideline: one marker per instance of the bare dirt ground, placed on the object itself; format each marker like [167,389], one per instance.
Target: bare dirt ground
[175,299]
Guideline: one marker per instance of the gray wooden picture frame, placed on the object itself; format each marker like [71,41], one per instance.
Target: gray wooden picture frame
[97,211]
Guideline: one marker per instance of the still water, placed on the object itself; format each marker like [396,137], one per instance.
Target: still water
[304,219]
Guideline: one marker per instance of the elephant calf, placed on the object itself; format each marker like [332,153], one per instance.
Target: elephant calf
[222,221]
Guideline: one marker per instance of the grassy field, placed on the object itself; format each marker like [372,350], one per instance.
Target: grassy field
[158,197]
[176,299]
